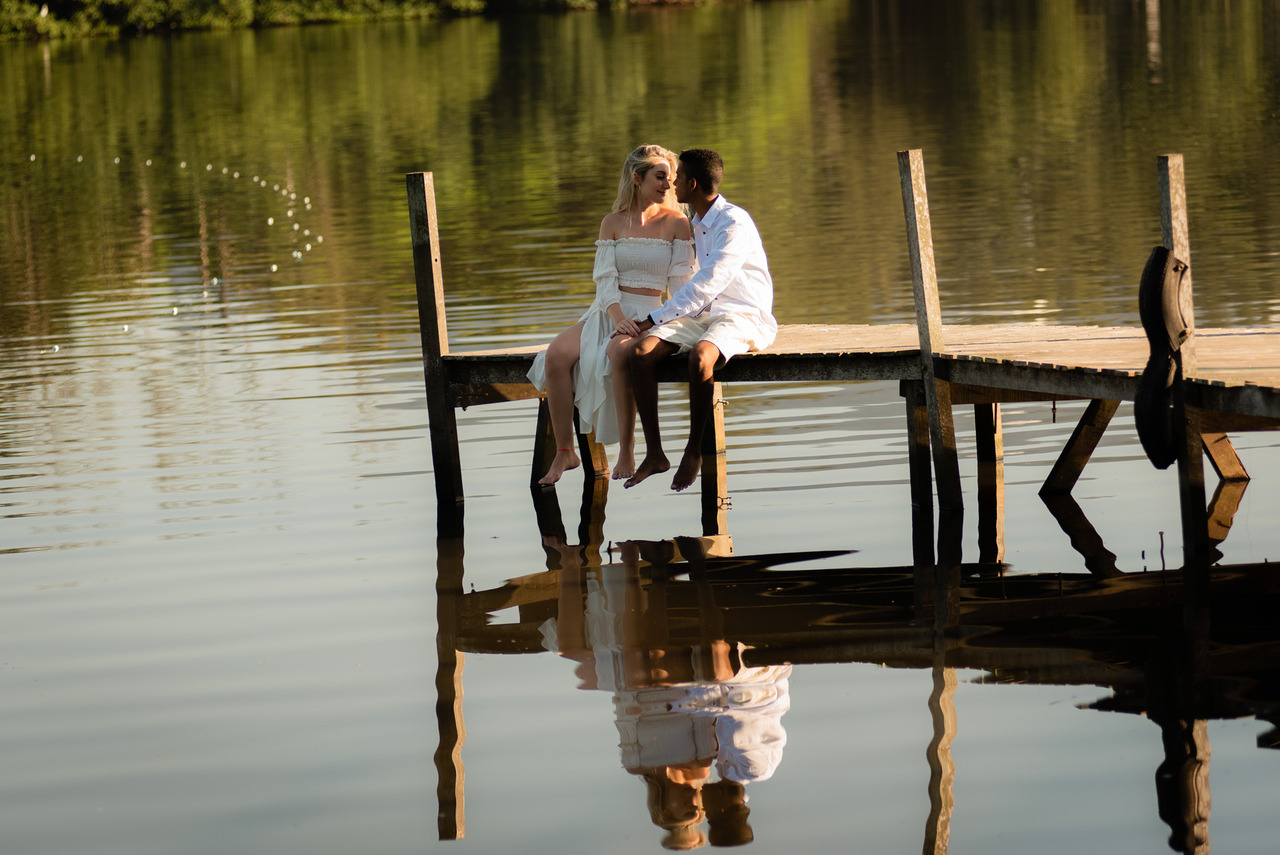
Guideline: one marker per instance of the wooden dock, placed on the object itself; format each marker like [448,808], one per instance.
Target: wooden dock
[1227,380]
[1165,660]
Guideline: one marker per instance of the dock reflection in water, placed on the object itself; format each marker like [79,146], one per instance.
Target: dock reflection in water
[697,644]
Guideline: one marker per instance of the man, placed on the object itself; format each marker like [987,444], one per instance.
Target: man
[724,310]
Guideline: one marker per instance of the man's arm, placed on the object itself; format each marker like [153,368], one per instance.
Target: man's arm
[727,255]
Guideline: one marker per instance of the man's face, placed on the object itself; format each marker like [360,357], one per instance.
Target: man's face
[683,185]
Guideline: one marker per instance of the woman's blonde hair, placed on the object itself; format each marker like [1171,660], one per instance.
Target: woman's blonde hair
[638,164]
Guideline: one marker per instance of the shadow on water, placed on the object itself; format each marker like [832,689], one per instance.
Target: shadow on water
[696,644]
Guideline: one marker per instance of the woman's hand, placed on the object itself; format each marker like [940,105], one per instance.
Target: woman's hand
[625,327]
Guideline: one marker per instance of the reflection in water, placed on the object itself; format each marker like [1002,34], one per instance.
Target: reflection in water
[451,783]
[682,710]
[697,646]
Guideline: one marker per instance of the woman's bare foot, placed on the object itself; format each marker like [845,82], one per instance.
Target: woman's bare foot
[651,465]
[565,459]
[626,465]
[690,465]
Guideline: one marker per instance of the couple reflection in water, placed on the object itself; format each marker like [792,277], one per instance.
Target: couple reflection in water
[695,723]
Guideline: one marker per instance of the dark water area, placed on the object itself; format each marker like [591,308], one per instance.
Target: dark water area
[218,545]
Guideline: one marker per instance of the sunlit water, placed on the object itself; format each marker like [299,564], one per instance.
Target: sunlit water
[218,533]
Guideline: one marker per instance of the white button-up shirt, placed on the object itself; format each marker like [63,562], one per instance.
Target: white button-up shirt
[733,272]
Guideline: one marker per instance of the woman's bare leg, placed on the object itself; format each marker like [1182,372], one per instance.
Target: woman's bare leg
[562,355]
[624,400]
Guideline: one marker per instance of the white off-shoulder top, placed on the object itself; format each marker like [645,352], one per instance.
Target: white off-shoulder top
[649,263]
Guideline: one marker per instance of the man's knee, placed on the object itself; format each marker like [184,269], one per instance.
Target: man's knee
[650,349]
[702,360]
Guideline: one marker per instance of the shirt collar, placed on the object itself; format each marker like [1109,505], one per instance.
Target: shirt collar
[717,207]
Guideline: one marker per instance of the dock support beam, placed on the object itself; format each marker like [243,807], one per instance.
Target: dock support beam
[924,283]
[715,488]
[1084,440]
[1175,235]
[435,344]
[1186,419]
[918,468]
[990,442]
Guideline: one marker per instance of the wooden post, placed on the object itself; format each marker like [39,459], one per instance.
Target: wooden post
[1186,419]
[918,468]
[1175,237]
[1076,453]
[1191,491]
[595,462]
[544,444]
[990,443]
[435,344]
[1222,454]
[715,479]
[924,282]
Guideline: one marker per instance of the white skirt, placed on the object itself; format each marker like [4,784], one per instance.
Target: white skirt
[593,374]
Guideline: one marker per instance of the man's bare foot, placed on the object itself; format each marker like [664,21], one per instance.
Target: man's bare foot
[565,459]
[690,466]
[651,465]
[626,465]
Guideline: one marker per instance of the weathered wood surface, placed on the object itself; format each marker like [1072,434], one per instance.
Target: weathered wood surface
[1066,361]
[801,352]
[924,289]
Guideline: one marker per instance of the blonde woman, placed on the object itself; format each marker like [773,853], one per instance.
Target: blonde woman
[644,249]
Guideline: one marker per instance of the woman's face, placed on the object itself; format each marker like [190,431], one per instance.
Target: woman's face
[656,183]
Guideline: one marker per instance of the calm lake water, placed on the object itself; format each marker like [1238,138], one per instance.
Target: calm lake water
[218,530]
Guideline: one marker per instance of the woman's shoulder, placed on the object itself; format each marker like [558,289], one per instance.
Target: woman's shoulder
[612,226]
[675,225]
[683,230]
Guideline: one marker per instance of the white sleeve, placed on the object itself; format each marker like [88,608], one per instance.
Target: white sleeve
[726,257]
[606,274]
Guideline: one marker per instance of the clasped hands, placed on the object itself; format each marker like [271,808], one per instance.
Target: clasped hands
[627,327]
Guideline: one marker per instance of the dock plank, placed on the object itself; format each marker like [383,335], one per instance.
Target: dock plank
[1049,360]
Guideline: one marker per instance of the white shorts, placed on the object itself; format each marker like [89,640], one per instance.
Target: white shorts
[731,333]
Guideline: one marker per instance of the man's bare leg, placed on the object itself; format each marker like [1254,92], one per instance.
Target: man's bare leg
[702,364]
[648,352]
[562,355]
